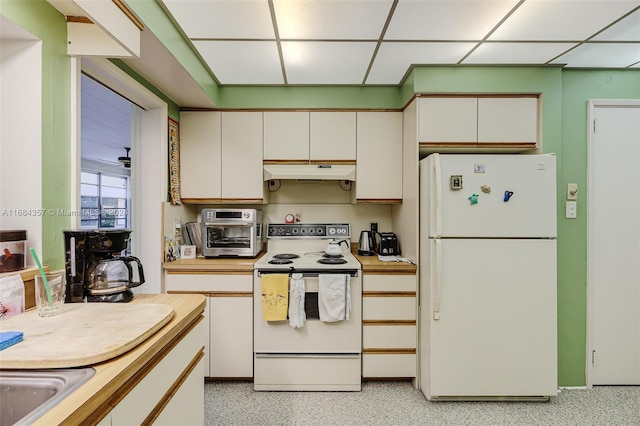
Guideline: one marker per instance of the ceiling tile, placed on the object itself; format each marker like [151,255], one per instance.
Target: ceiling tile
[601,55]
[326,62]
[223,18]
[627,29]
[242,62]
[516,53]
[394,58]
[570,20]
[326,20]
[446,20]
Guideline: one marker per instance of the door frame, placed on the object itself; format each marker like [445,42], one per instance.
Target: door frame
[149,176]
[592,104]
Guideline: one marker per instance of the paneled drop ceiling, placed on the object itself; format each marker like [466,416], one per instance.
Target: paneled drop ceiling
[376,42]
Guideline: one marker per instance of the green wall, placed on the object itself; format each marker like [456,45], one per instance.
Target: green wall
[564,97]
[49,25]
[45,22]
[578,86]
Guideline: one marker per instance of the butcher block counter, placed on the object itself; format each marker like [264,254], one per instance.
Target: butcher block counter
[221,264]
[371,264]
[116,380]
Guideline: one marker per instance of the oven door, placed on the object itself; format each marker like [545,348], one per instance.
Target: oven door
[229,239]
[315,337]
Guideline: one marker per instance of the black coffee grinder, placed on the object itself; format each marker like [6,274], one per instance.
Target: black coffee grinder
[94,268]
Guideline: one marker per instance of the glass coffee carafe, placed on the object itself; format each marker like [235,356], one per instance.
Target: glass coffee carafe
[112,277]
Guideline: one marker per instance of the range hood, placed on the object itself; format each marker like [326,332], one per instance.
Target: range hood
[310,172]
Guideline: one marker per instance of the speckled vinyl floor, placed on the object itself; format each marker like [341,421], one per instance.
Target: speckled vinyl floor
[399,403]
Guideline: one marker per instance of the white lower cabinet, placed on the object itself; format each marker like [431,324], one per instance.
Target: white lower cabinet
[172,393]
[228,319]
[389,333]
[231,336]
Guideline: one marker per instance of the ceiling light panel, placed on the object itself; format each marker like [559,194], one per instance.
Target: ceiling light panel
[331,20]
[326,62]
[394,58]
[628,29]
[242,62]
[561,20]
[446,20]
[223,18]
[516,53]
[601,55]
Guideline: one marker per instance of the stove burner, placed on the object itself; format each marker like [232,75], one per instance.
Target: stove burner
[332,261]
[286,256]
[332,256]
[278,261]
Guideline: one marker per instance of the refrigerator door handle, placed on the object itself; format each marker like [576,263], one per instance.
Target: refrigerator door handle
[437,281]
[438,201]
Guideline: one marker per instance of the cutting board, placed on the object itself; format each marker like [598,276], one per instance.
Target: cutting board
[83,334]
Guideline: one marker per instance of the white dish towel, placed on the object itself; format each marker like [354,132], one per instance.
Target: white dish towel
[334,297]
[297,315]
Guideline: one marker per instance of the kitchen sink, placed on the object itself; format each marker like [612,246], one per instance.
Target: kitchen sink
[26,395]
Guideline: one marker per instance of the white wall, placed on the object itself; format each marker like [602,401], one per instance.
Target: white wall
[21,133]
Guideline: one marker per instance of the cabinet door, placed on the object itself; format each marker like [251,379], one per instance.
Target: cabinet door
[286,136]
[200,150]
[379,157]
[242,156]
[447,121]
[332,136]
[508,121]
[231,340]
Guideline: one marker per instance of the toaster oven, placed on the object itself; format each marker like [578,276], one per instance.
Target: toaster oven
[231,232]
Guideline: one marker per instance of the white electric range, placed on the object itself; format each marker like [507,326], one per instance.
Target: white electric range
[319,355]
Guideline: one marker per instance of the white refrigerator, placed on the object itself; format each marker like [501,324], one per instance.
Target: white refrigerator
[488,276]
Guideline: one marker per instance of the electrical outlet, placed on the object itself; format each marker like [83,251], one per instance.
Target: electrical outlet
[374,227]
[177,224]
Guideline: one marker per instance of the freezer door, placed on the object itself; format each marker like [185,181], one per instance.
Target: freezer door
[489,196]
[488,319]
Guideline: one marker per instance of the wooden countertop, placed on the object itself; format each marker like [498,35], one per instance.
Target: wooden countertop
[95,398]
[371,264]
[220,264]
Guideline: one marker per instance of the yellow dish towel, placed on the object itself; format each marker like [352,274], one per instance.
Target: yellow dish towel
[275,297]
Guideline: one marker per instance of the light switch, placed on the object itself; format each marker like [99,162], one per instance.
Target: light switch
[571,211]
[572,191]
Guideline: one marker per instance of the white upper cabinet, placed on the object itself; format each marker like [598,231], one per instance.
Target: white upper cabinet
[200,153]
[508,121]
[475,124]
[379,157]
[448,120]
[221,157]
[242,156]
[332,136]
[286,136]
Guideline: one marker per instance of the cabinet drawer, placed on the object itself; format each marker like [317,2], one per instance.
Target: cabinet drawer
[209,282]
[389,282]
[389,336]
[388,365]
[311,372]
[389,308]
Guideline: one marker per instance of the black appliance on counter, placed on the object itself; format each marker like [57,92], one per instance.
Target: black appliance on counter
[95,271]
[388,244]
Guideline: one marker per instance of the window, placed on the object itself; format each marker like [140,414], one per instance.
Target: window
[105,201]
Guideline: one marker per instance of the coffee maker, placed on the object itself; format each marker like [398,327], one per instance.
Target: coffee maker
[95,270]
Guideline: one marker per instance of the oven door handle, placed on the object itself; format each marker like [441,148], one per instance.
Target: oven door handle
[310,274]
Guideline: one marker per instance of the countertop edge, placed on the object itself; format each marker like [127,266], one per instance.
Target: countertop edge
[93,400]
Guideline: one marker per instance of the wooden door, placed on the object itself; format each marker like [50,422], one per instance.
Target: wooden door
[613,243]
